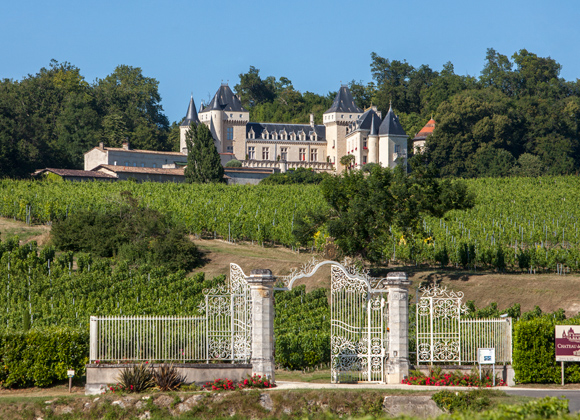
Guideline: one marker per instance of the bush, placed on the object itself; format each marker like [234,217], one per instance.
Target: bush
[136,378]
[475,400]
[42,357]
[438,378]
[534,358]
[234,163]
[137,234]
[167,378]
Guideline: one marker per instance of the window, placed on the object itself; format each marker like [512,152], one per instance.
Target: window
[155,165]
[230,133]
[364,144]
[301,154]
[284,153]
[265,153]
[251,152]
[115,163]
[134,163]
[126,163]
[313,155]
[142,165]
[364,160]
[230,149]
[397,148]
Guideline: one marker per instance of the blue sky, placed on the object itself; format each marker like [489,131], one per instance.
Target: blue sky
[192,46]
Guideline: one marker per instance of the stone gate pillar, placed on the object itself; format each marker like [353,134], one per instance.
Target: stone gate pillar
[262,291]
[398,360]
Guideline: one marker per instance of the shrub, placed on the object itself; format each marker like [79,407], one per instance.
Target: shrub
[39,357]
[438,378]
[234,163]
[475,400]
[534,358]
[136,378]
[167,378]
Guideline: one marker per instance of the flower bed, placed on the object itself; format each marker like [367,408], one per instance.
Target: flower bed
[225,384]
[438,378]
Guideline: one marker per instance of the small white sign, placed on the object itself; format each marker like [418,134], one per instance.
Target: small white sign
[70,373]
[486,356]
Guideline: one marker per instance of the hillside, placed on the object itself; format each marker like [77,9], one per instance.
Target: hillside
[548,291]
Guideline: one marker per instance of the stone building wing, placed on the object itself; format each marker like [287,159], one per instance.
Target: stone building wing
[225,100]
[391,125]
[344,102]
[191,115]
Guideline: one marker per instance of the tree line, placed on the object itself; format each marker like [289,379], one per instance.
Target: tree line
[518,117]
[51,118]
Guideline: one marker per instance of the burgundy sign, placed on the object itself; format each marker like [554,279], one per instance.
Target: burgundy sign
[568,343]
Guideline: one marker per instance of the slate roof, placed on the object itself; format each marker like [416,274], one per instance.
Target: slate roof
[290,128]
[426,130]
[191,115]
[391,125]
[370,120]
[73,172]
[225,100]
[344,102]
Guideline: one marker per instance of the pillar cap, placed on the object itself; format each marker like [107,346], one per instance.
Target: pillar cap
[261,272]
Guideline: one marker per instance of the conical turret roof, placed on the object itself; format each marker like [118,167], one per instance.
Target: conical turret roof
[225,100]
[191,115]
[391,125]
[344,102]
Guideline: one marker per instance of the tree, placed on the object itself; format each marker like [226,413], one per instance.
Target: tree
[347,161]
[203,160]
[364,208]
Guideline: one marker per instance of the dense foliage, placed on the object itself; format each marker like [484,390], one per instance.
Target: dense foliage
[534,358]
[131,233]
[277,101]
[302,328]
[51,118]
[366,209]
[295,176]
[203,160]
[41,356]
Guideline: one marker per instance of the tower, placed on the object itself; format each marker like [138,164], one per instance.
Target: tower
[190,117]
[336,119]
[392,141]
[227,119]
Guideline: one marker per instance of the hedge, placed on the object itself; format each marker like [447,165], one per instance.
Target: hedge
[534,357]
[40,357]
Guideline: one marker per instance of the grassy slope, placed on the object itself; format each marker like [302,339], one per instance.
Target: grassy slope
[548,291]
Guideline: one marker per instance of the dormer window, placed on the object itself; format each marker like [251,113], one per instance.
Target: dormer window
[265,134]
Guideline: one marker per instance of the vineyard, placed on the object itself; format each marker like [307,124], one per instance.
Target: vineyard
[517,223]
[42,290]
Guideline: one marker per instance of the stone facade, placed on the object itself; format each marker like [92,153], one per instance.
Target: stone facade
[125,156]
[316,146]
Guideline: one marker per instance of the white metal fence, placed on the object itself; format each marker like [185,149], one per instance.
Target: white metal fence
[223,333]
[148,338]
[443,337]
[486,333]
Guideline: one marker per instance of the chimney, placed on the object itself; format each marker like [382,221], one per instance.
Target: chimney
[102,146]
[311,120]
[126,145]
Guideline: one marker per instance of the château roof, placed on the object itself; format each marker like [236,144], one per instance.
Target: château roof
[191,115]
[72,173]
[426,130]
[391,125]
[225,100]
[369,121]
[344,102]
[258,128]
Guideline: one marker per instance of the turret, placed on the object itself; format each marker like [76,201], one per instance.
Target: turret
[392,141]
[190,117]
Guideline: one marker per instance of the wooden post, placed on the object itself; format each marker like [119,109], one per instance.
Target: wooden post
[562,373]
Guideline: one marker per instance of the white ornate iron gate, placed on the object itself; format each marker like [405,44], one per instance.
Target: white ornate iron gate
[442,336]
[359,318]
[229,319]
